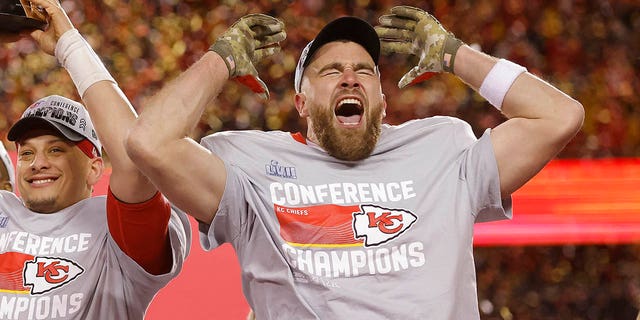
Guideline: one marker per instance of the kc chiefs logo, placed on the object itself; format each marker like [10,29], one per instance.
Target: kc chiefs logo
[44,274]
[378,225]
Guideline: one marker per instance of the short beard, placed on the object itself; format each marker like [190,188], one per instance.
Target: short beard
[345,144]
[41,205]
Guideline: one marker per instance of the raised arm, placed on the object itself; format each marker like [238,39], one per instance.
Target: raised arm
[542,119]
[188,174]
[137,215]
[110,110]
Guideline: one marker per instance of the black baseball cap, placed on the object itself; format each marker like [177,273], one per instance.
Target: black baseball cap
[344,28]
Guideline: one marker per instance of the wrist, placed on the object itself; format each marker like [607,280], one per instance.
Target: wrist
[498,81]
[225,52]
[216,64]
[450,49]
[82,63]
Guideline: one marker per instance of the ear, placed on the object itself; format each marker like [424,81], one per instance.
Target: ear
[384,106]
[95,171]
[300,100]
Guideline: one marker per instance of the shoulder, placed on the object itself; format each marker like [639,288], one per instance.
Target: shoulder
[432,123]
[431,127]
[96,203]
[8,196]
[245,135]
[433,134]
[245,139]
[9,199]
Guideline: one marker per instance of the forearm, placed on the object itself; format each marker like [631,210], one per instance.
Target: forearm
[110,111]
[542,119]
[159,145]
[528,97]
[180,104]
[113,115]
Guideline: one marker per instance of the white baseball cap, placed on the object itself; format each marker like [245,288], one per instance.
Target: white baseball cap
[68,117]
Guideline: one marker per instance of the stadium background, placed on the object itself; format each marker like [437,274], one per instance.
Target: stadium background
[573,249]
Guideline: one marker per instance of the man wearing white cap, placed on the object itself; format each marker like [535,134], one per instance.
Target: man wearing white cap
[356,219]
[64,253]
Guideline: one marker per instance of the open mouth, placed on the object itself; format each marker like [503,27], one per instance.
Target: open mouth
[349,111]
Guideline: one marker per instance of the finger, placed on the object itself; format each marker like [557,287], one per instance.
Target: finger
[57,17]
[270,40]
[263,31]
[414,77]
[387,47]
[394,21]
[37,35]
[263,53]
[408,78]
[44,39]
[395,34]
[264,24]
[409,12]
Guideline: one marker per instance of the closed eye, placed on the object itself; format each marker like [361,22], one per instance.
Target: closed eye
[367,72]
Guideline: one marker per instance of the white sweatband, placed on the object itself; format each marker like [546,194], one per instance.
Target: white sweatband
[82,63]
[498,81]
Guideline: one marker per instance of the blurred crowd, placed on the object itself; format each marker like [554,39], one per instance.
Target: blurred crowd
[594,282]
[588,48]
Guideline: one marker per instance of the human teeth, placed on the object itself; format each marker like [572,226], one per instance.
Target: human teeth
[42,181]
[350,101]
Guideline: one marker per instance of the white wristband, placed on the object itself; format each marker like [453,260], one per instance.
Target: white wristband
[498,81]
[82,63]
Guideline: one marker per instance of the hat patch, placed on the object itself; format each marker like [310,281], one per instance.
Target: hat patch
[56,110]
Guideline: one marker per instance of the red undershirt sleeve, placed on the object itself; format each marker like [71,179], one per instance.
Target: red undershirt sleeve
[141,231]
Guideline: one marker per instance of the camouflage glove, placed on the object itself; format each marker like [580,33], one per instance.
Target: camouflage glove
[409,30]
[248,41]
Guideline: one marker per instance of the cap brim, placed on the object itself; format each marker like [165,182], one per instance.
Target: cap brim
[24,125]
[10,23]
[351,29]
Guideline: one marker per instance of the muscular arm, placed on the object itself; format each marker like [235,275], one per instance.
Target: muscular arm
[188,174]
[139,229]
[542,120]
[185,172]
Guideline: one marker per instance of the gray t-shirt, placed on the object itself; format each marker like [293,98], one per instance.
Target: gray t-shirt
[388,237]
[66,265]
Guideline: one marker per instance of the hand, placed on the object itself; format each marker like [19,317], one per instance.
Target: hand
[248,41]
[59,23]
[409,30]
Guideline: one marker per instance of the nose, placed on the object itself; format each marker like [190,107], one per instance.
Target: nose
[40,161]
[349,79]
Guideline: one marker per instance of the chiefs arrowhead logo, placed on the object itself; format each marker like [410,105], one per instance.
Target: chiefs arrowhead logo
[44,274]
[378,225]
